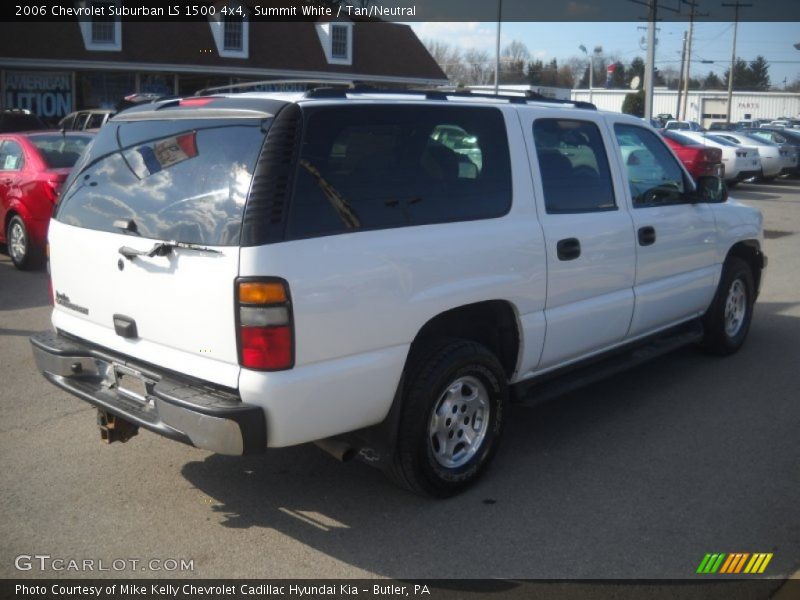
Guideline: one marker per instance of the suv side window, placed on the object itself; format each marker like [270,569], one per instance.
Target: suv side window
[574,166]
[654,176]
[11,157]
[377,167]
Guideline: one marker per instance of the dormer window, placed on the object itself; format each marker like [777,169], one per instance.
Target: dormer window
[230,27]
[233,34]
[336,40]
[103,27]
[101,31]
[339,42]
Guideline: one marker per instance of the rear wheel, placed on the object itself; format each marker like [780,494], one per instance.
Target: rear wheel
[19,245]
[454,400]
[728,319]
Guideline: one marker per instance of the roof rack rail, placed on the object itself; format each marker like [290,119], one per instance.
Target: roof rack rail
[444,94]
[234,87]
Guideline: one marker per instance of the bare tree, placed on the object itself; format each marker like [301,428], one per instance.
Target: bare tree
[449,59]
[514,58]
[479,67]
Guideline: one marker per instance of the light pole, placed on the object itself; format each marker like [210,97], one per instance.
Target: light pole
[597,51]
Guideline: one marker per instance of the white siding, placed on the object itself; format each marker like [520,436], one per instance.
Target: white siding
[759,105]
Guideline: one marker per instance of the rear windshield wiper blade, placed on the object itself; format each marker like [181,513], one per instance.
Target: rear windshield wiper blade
[127,226]
[164,249]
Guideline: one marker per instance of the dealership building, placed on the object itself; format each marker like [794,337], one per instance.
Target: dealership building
[704,106]
[55,68]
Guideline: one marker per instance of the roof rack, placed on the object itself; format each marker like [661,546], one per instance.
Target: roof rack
[340,88]
[236,87]
[443,94]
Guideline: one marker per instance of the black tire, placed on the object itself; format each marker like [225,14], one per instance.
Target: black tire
[449,375]
[724,334]
[18,244]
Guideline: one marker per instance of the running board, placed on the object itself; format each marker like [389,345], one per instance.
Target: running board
[568,379]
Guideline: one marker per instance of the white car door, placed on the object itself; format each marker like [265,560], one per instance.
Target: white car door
[676,258]
[588,234]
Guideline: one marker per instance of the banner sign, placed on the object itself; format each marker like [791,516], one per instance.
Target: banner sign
[47,94]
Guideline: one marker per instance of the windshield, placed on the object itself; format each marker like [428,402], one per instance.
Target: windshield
[60,151]
[759,140]
[182,180]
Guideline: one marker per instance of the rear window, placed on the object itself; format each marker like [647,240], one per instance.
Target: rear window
[60,151]
[183,180]
[377,167]
[680,139]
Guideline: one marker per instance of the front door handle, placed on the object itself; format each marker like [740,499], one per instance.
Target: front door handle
[568,249]
[647,235]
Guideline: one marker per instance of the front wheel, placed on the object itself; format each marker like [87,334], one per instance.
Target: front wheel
[728,318]
[454,397]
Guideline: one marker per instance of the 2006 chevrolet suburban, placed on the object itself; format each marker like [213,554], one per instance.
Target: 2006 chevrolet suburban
[377,271]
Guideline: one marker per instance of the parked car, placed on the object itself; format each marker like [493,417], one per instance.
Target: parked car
[33,168]
[775,159]
[722,126]
[698,158]
[751,123]
[268,269]
[683,126]
[788,138]
[16,119]
[740,162]
[82,120]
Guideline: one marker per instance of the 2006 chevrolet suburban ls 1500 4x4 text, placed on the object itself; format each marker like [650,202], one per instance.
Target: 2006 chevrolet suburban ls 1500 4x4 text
[377,271]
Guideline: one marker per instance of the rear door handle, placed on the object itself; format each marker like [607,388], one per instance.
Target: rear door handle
[647,236]
[568,249]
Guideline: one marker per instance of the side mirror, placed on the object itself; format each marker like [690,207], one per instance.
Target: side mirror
[711,189]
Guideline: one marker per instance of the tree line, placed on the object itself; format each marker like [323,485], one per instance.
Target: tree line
[476,67]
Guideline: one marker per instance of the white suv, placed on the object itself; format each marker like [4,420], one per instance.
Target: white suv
[378,272]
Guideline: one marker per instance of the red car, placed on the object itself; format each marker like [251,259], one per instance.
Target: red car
[33,167]
[698,159]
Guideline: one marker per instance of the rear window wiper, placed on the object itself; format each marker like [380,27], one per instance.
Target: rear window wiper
[164,249]
[127,226]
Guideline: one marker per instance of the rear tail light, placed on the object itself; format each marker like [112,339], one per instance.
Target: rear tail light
[52,188]
[265,324]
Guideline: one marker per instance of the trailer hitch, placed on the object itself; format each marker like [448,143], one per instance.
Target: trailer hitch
[113,428]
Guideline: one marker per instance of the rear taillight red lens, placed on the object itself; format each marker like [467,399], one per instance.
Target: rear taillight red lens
[52,188]
[265,324]
[266,347]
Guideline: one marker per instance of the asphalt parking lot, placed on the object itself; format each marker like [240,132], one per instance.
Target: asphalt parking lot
[636,477]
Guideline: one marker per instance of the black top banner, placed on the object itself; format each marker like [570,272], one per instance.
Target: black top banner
[409,10]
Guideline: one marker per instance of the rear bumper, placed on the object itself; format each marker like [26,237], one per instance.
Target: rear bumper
[748,175]
[185,411]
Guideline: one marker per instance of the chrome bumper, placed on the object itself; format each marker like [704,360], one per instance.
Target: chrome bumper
[188,412]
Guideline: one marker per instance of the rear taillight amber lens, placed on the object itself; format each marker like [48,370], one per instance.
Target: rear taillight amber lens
[265,324]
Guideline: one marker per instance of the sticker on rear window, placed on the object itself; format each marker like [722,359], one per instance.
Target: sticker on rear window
[168,152]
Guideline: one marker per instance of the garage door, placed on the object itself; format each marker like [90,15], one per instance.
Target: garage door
[714,109]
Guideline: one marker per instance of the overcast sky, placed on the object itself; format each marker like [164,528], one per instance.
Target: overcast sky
[712,41]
